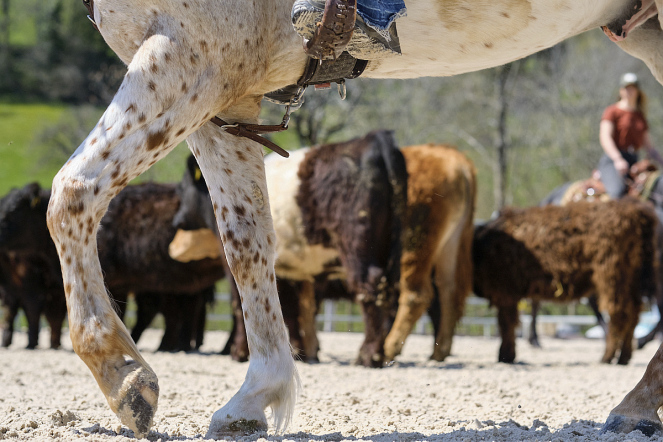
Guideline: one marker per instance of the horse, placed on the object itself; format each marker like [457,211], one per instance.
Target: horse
[193,61]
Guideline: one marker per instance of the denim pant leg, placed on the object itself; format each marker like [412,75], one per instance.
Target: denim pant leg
[611,179]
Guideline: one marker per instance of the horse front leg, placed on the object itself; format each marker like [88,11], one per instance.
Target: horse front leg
[234,171]
[152,112]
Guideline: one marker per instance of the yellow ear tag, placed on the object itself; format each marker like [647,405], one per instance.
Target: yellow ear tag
[34,202]
[198,174]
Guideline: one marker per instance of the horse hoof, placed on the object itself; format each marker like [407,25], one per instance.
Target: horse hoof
[139,396]
[623,424]
[222,427]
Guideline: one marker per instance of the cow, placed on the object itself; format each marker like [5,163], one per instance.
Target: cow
[565,253]
[437,241]
[133,244]
[340,211]
[191,61]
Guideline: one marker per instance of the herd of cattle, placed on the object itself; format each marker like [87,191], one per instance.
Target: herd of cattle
[389,228]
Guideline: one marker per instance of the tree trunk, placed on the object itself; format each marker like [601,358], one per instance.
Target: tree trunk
[501,145]
[5,51]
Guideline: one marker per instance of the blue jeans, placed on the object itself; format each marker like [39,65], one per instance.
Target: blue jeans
[613,181]
[379,14]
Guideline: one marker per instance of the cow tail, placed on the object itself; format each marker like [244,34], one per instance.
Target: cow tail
[397,172]
[464,265]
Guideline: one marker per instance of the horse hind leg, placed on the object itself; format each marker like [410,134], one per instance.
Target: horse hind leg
[152,112]
[234,171]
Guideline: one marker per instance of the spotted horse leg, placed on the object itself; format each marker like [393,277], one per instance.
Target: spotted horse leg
[638,410]
[151,113]
[234,171]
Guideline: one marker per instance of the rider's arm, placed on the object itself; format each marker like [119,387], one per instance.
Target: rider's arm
[610,148]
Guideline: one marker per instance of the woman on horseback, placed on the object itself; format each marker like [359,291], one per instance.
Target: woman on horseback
[623,132]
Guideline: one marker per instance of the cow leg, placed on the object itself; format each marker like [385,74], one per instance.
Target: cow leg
[453,280]
[306,319]
[290,296]
[9,314]
[234,171]
[507,320]
[163,98]
[621,327]
[55,311]
[533,335]
[638,410]
[416,295]
[371,353]
[172,316]
[147,307]
[33,308]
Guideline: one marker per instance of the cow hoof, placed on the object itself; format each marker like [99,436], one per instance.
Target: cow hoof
[137,401]
[623,424]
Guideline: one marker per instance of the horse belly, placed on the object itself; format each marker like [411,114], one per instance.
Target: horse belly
[449,37]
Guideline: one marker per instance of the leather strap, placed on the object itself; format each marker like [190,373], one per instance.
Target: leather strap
[334,32]
[253,132]
[89,4]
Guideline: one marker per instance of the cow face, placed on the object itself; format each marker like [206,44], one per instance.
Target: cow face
[23,220]
[195,211]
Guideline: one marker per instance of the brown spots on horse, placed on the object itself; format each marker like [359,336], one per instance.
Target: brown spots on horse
[68,260]
[268,307]
[67,288]
[160,114]
[185,4]
[227,171]
[142,118]
[240,155]
[461,19]
[221,189]
[203,46]
[239,210]
[131,108]
[155,139]
[180,132]
[488,45]
[93,141]
[154,68]
[269,239]
[105,154]
[273,316]
[256,258]
[152,86]
[194,98]
[224,213]
[115,173]
[127,126]
[194,59]
[246,315]
[184,87]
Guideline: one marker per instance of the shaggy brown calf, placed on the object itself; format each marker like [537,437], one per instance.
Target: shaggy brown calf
[565,253]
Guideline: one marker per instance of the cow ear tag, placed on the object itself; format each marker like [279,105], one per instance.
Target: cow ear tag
[34,202]
[198,174]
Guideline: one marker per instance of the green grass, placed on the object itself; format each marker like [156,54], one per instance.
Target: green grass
[19,123]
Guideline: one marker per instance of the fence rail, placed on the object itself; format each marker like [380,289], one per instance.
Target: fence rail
[328,318]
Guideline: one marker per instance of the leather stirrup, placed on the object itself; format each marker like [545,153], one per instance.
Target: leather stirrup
[334,32]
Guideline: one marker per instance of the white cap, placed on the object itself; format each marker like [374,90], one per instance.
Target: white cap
[628,79]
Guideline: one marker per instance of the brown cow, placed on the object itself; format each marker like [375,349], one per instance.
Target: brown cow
[437,239]
[565,253]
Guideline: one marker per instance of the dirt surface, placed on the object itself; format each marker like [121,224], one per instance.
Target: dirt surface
[558,393]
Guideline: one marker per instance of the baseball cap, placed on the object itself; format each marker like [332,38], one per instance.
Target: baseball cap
[628,79]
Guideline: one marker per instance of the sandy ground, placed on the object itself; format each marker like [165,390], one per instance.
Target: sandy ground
[558,393]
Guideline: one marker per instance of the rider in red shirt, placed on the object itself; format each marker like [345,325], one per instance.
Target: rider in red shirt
[623,132]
